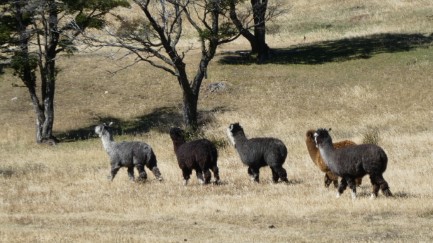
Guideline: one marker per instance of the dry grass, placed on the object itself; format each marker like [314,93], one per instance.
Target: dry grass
[61,194]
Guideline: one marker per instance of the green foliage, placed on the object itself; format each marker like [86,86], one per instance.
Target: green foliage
[191,135]
[5,33]
[22,62]
[227,30]
[85,21]
[67,46]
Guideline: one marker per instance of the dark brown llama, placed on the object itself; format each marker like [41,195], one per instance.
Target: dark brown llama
[199,155]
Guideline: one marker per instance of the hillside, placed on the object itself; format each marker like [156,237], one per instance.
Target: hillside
[354,66]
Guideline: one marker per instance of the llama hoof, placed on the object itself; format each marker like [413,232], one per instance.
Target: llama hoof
[353,196]
[185,182]
[372,197]
[338,195]
[201,181]
[217,182]
[160,179]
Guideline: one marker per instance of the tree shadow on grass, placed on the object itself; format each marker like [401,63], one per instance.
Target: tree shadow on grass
[160,119]
[336,50]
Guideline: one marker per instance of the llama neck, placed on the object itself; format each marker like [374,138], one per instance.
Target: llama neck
[312,149]
[239,139]
[108,142]
[327,153]
[177,144]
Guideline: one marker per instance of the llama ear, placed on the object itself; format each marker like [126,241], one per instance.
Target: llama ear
[110,124]
[231,127]
[329,129]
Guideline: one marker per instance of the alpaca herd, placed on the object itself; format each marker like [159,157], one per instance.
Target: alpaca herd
[345,159]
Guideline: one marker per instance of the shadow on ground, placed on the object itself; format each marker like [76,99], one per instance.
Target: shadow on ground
[336,50]
[160,119]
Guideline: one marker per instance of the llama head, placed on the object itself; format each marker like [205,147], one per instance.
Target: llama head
[233,130]
[177,134]
[310,135]
[103,129]
[321,136]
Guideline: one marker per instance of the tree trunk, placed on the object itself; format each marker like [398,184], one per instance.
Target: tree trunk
[27,74]
[244,32]
[259,12]
[190,111]
[47,69]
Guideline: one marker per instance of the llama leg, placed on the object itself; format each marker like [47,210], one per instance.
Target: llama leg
[358,181]
[114,170]
[151,164]
[155,171]
[216,174]
[186,175]
[281,172]
[207,176]
[254,174]
[331,178]
[335,183]
[375,181]
[142,175]
[383,185]
[341,187]
[352,185]
[199,174]
[131,173]
[327,181]
[274,175]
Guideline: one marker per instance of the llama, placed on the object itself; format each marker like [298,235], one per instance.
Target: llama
[128,154]
[199,155]
[353,162]
[317,159]
[259,152]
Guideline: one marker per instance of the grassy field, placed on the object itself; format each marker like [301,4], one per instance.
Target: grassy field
[362,66]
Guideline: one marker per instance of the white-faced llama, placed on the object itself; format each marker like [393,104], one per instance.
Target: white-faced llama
[259,152]
[353,162]
[318,161]
[128,154]
[200,155]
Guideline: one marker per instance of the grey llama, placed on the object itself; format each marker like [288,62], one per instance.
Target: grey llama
[353,162]
[128,154]
[259,152]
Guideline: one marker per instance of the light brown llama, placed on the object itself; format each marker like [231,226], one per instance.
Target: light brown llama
[318,161]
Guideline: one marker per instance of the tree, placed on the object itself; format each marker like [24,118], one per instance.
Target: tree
[155,39]
[37,31]
[254,19]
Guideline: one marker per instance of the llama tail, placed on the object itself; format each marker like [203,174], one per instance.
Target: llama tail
[384,159]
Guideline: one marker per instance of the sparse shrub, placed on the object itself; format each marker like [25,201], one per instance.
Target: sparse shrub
[371,136]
